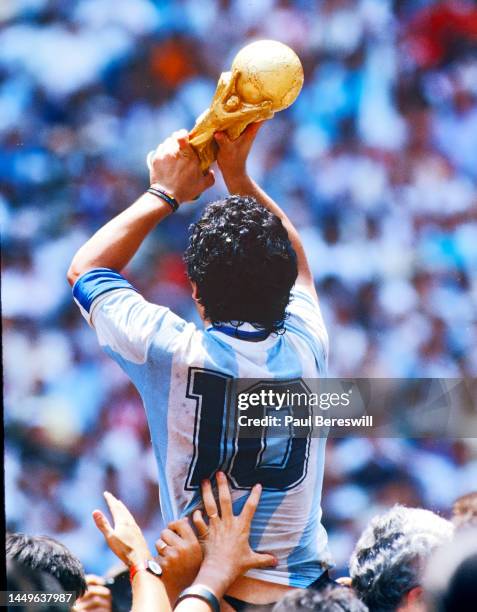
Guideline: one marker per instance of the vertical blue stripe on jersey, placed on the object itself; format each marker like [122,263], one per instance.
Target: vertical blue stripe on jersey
[157,419]
[308,540]
[312,343]
[307,544]
[162,377]
[135,371]
[220,355]
[279,358]
[269,502]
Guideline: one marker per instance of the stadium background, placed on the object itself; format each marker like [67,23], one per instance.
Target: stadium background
[376,163]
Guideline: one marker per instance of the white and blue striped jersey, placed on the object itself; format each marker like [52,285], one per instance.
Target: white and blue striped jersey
[184,376]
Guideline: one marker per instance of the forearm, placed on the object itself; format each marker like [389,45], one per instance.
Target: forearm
[115,244]
[243,184]
[172,589]
[212,577]
[149,594]
[192,604]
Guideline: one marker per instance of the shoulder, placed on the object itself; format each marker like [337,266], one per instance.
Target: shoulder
[123,319]
[305,321]
[95,285]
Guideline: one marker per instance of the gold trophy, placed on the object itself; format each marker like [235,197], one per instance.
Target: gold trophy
[266,77]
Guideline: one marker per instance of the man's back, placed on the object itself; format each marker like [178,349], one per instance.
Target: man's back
[186,378]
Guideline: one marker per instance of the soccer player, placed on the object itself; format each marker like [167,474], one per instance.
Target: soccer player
[254,292]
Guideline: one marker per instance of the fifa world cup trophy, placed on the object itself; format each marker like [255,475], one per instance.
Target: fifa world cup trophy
[266,77]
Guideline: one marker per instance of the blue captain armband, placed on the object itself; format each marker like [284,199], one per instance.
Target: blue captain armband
[94,283]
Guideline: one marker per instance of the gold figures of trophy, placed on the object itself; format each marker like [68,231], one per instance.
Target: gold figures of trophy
[266,77]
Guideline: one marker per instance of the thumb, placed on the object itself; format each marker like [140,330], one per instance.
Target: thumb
[221,137]
[263,560]
[251,130]
[102,523]
[254,127]
[149,159]
[183,141]
[209,179]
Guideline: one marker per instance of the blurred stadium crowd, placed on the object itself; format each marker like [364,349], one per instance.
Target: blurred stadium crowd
[376,162]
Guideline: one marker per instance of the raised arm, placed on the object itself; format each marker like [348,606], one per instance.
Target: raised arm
[232,161]
[175,169]
[125,539]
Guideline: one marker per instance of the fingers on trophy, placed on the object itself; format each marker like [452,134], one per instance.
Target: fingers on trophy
[266,77]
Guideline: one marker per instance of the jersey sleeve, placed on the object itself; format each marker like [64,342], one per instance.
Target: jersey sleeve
[125,323]
[306,321]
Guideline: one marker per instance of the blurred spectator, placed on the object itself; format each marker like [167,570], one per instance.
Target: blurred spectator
[464,511]
[376,162]
[25,580]
[43,555]
[111,593]
[449,579]
[117,581]
[387,563]
[329,599]
[97,597]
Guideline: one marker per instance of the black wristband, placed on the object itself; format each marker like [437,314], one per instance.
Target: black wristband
[201,592]
[173,203]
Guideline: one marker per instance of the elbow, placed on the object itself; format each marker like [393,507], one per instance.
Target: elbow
[73,274]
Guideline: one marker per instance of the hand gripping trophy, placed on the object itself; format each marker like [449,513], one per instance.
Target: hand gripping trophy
[266,77]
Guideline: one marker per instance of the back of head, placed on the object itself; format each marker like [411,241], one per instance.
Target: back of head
[333,598]
[242,261]
[41,554]
[25,580]
[450,577]
[387,561]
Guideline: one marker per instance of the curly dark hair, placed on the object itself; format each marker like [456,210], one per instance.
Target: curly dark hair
[243,263]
